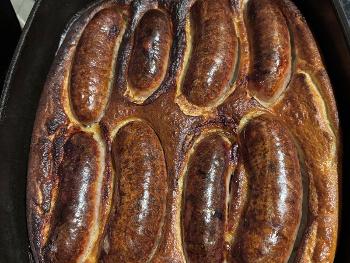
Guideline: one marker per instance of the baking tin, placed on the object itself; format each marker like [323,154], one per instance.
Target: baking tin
[27,74]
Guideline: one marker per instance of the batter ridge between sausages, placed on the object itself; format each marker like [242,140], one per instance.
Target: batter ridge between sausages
[185,131]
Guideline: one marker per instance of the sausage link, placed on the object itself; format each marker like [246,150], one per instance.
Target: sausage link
[93,65]
[275,193]
[149,59]
[204,209]
[238,196]
[214,53]
[76,205]
[141,188]
[270,49]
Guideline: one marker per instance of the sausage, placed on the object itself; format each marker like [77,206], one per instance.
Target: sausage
[74,214]
[150,55]
[273,213]
[211,66]
[141,188]
[270,50]
[93,65]
[204,211]
[238,196]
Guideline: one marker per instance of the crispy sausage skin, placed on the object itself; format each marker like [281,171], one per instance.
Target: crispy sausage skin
[74,216]
[212,62]
[149,59]
[166,133]
[238,196]
[270,49]
[204,210]
[93,65]
[141,187]
[275,194]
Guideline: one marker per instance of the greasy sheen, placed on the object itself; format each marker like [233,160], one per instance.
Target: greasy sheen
[275,193]
[149,59]
[270,49]
[204,210]
[211,65]
[238,195]
[166,134]
[76,202]
[141,187]
[92,65]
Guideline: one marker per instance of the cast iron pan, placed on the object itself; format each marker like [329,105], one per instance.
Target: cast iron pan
[25,80]
[9,27]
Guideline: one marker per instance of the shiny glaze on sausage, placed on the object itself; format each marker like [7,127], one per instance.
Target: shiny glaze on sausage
[275,195]
[270,49]
[213,58]
[140,194]
[204,209]
[76,204]
[149,59]
[92,66]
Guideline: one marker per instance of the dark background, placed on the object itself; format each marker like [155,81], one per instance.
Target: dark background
[28,70]
[11,31]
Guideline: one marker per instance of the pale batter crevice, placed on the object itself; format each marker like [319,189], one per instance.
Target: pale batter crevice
[317,90]
[305,204]
[95,233]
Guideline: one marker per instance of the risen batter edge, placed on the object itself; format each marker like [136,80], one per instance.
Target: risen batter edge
[278,102]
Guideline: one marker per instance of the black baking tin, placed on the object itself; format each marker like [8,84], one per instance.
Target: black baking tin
[30,65]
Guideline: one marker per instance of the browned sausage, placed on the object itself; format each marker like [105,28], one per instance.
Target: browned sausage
[270,49]
[76,205]
[275,193]
[204,211]
[211,66]
[92,65]
[150,54]
[141,188]
[238,194]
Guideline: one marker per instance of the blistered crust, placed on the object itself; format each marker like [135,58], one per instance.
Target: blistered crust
[198,106]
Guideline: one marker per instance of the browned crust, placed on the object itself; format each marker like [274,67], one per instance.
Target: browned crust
[325,181]
[177,130]
[309,58]
[51,129]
